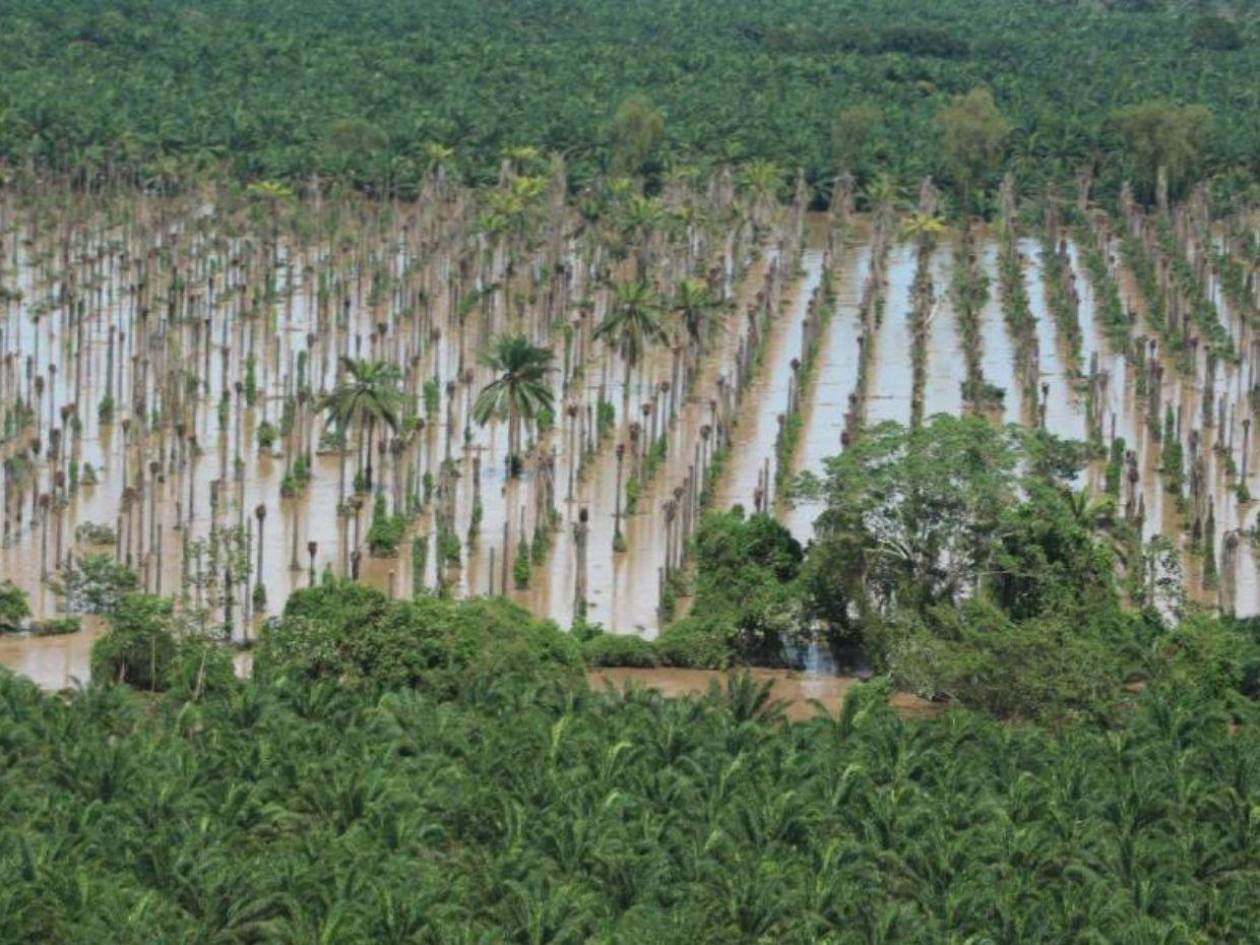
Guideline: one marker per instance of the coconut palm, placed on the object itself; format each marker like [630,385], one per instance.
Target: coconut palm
[367,395]
[633,322]
[520,389]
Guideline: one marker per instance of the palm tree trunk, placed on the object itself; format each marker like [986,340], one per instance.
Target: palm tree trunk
[341,475]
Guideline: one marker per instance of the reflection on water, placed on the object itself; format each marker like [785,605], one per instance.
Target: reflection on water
[390,286]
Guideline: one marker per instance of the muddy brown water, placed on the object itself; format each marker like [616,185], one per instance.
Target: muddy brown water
[623,586]
[803,696]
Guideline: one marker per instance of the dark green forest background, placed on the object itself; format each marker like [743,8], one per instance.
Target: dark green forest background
[362,91]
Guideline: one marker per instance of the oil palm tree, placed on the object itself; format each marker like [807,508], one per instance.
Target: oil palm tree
[633,322]
[696,310]
[367,395]
[519,390]
[761,180]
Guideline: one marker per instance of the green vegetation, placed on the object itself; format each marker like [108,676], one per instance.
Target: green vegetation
[147,649]
[356,636]
[284,812]
[386,531]
[520,390]
[380,92]
[745,604]
[15,606]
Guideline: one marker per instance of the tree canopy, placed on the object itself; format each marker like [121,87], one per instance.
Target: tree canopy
[166,90]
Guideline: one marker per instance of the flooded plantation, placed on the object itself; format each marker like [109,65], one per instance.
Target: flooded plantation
[234,393]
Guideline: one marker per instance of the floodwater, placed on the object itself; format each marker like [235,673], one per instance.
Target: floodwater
[753,456]
[826,398]
[803,696]
[172,309]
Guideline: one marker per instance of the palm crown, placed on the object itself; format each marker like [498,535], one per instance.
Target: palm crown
[520,389]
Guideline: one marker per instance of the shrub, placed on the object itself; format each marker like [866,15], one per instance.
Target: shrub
[57,626]
[356,635]
[386,531]
[266,436]
[14,606]
[95,583]
[141,650]
[90,533]
[615,649]
[696,643]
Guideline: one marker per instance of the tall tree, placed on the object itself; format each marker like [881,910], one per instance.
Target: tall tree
[633,322]
[972,134]
[638,130]
[367,395]
[850,134]
[520,390]
[1162,136]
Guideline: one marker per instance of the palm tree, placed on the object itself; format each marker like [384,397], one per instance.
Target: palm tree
[633,321]
[368,395]
[520,389]
[695,309]
[761,179]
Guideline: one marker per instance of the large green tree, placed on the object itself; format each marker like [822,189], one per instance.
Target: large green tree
[972,133]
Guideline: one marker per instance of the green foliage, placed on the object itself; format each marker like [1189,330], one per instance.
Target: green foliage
[600,86]
[266,435]
[605,418]
[355,635]
[746,604]
[105,410]
[638,130]
[142,649]
[519,391]
[617,649]
[958,557]
[521,566]
[1216,33]
[94,583]
[251,381]
[57,626]
[386,531]
[15,606]
[139,648]
[432,398]
[1158,135]
[513,816]
[972,134]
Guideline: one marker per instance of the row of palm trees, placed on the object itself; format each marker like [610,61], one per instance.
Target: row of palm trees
[369,398]
[317,812]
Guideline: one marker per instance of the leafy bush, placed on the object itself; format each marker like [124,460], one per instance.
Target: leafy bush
[57,626]
[15,606]
[697,643]
[95,583]
[91,533]
[267,436]
[616,649]
[347,632]
[385,532]
[141,649]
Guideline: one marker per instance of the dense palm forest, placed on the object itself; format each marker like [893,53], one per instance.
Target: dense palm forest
[298,814]
[165,89]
